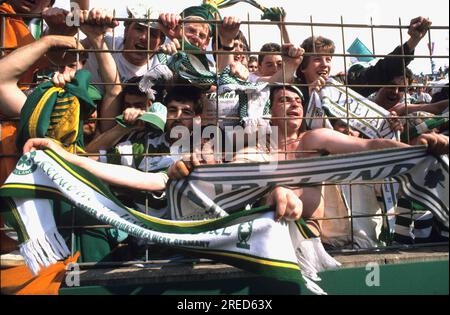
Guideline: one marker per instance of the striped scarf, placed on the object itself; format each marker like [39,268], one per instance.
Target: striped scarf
[335,100]
[272,14]
[57,113]
[254,104]
[250,239]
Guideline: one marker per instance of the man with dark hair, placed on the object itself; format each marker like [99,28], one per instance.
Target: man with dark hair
[295,142]
[268,65]
[151,147]
[388,97]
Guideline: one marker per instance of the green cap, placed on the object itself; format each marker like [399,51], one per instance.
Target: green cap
[156,117]
[205,11]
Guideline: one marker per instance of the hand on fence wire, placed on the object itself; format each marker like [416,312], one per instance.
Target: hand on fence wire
[418,27]
[96,22]
[228,30]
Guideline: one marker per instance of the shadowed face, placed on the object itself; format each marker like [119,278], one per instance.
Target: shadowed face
[136,101]
[180,114]
[387,97]
[29,6]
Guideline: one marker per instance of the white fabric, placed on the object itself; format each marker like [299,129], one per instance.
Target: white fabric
[126,69]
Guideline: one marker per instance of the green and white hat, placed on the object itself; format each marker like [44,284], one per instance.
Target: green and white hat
[156,117]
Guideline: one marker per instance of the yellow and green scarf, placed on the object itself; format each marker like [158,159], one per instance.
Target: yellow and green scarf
[58,113]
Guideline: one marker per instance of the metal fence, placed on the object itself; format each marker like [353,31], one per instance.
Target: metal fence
[313,26]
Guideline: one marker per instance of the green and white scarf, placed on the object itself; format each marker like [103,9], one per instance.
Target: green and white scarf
[212,190]
[364,115]
[58,113]
[250,240]
[424,127]
[272,14]
[254,104]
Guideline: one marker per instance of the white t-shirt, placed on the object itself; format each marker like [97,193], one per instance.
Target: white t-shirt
[126,69]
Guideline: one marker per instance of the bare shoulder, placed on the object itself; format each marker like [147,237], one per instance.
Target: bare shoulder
[312,137]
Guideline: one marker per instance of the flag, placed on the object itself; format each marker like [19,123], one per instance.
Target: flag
[358,48]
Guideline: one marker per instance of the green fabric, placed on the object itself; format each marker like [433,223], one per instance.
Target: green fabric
[426,126]
[156,117]
[205,11]
[79,88]
[273,14]
[94,244]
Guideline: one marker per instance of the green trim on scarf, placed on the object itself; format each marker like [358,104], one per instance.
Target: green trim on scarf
[47,97]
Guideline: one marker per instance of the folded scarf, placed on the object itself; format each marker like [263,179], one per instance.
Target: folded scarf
[340,102]
[57,113]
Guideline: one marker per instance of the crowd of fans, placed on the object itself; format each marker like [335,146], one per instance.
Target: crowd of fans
[128,137]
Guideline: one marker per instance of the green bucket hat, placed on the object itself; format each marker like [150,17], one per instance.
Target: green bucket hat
[205,11]
[156,117]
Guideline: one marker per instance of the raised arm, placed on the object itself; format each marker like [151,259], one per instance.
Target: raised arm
[292,58]
[228,31]
[113,174]
[386,69]
[333,142]
[15,64]
[83,4]
[434,108]
[94,24]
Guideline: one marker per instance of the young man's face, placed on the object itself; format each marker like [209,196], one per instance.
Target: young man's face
[29,6]
[387,97]
[270,65]
[197,34]
[180,114]
[318,66]
[239,46]
[136,101]
[287,104]
[136,38]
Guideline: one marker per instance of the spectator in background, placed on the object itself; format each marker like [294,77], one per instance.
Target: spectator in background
[268,64]
[388,97]
[421,94]
[253,64]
